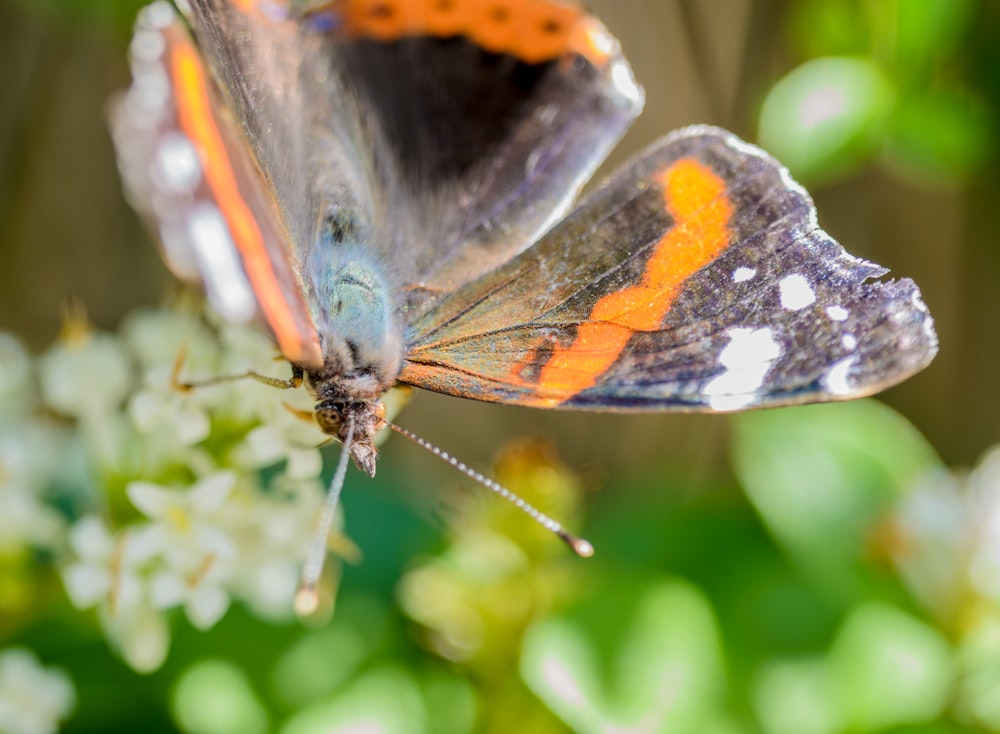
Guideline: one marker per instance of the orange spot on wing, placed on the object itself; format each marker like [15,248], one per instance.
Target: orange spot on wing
[532,30]
[196,119]
[496,24]
[548,31]
[695,197]
[446,18]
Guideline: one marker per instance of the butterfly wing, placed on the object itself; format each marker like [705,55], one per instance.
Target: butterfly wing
[696,279]
[446,136]
[184,160]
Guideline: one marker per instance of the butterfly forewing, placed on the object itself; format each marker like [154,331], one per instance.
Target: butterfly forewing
[184,160]
[439,130]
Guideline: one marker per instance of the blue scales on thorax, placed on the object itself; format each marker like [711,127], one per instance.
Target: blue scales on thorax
[355,312]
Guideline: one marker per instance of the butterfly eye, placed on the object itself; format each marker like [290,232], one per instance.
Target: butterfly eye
[329,416]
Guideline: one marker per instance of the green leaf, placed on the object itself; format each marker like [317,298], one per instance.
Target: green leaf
[215,697]
[821,476]
[796,697]
[384,701]
[826,117]
[890,669]
[940,137]
[117,14]
[922,33]
[829,28]
[977,699]
[641,655]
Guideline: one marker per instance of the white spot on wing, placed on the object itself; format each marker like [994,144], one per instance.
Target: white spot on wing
[157,15]
[837,313]
[836,378]
[796,292]
[177,251]
[147,45]
[532,163]
[743,274]
[621,77]
[226,284]
[178,169]
[849,342]
[747,358]
[547,115]
[150,91]
[603,41]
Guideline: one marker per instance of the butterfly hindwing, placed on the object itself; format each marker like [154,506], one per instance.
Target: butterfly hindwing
[696,279]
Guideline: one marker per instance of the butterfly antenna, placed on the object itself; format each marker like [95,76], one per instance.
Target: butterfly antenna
[307,598]
[581,547]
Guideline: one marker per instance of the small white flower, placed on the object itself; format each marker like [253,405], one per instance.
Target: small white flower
[934,522]
[183,512]
[248,346]
[188,538]
[984,513]
[33,699]
[142,636]
[25,521]
[950,528]
[109,574]
[283,440]
[106,570]
[30,459]
[157,337]
[85,375]
[245,400]
[201,592]
[174,416]
[274,537]
[170,419]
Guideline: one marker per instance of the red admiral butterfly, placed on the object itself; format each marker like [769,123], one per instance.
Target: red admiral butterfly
[390,184]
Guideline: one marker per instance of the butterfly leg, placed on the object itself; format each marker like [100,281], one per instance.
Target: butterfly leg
[177,383]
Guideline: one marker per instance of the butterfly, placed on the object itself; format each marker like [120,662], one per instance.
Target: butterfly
[391,185]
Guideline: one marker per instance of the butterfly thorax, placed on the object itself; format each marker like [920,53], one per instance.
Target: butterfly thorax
[362,348]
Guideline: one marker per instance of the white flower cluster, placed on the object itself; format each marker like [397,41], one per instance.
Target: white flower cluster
[31,455]
[946,544]
[178,498]
[33,699]
[949,538]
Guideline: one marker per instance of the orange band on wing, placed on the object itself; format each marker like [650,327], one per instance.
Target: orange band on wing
[195,116]
[532,30]
[695,197]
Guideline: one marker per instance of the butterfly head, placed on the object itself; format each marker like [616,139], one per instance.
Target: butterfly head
[338,416]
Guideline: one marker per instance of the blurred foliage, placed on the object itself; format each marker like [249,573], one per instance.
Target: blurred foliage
[888,81]
[117,15]
[841,579]
[832,576]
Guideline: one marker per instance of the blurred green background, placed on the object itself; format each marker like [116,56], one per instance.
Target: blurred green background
[805,571]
